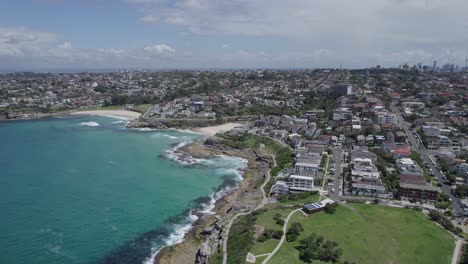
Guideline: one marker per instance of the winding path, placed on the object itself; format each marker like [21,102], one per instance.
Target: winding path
[457,251]
[262,203]
[283,238]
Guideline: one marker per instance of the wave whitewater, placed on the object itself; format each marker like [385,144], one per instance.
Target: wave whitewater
[90,124]
[230,167]
[175,229]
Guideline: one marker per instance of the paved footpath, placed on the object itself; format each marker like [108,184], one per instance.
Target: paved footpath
[283,238]
[456,253]
[262,203]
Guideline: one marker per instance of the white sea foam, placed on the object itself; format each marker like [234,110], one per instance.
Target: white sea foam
[178,156]
[114,163]
[145,129]
[177,236]
[90,124]
[118,117]
[161,135]
[118,122]
[223,165]
[187,131]
[169,136]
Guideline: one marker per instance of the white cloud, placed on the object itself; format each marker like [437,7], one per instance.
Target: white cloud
[65,45]
[159,49]
[22,41]
[150,19]
[354,28]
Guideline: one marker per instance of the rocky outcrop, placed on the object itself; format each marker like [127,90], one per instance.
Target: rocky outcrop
[212,243]
[206,238]
[173,123]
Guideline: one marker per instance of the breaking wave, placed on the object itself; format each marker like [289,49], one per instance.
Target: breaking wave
[90,124]
[230,168]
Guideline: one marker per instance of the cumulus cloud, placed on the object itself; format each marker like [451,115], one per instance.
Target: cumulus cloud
[359,27]
[22,41]
[23,47]
[265,33]
[159,49]
[65,45]
[150,19]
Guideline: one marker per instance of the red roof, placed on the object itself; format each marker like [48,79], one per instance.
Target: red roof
[402,151]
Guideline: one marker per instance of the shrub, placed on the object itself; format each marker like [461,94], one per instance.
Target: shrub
[294,231]
[330,208]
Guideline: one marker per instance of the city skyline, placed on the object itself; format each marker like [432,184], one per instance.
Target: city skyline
[159,34]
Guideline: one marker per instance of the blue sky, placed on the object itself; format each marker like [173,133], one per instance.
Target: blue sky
[41,34]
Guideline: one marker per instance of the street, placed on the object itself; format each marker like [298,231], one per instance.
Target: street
[425,156]
[338,159]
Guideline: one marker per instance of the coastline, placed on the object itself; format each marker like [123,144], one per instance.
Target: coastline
[205,236]
[115,113]
[126,114]
[243,196]
[213,130]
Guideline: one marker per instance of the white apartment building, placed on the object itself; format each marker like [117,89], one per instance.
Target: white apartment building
[386,118]
[298,183]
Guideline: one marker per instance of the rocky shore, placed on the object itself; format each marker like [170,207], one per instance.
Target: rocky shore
[206,236]
[173,123]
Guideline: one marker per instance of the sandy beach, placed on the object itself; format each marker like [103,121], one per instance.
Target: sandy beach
[213,130]
[115,113]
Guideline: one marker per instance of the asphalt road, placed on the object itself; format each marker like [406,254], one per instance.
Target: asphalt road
[338,158]
[425,156]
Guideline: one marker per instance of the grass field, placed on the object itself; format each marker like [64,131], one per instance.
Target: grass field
[309,199]
[264,247]
[375,234]
[266,219]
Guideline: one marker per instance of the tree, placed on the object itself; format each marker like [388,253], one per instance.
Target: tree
[294,231]
[330,208]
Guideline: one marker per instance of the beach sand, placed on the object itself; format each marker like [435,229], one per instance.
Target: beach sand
[116,113]
[213,130]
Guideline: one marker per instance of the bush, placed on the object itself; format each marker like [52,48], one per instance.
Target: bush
[330,208]
[442,220]
[270,234]
[241,238]
[280,222]
[295,197]
[294,231]
[313,247]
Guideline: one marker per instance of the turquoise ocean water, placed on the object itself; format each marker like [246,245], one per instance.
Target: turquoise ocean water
[87,190]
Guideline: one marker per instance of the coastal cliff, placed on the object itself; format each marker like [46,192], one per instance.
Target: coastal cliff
[206,236]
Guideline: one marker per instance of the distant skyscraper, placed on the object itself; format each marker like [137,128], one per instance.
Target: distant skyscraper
[435,66]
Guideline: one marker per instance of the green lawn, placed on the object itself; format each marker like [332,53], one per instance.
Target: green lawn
[266,220]
[309,199]
[264,247]
[376,234]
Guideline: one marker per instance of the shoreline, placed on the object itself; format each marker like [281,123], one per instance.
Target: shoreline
[198,244]
[213,130]
[126,114]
